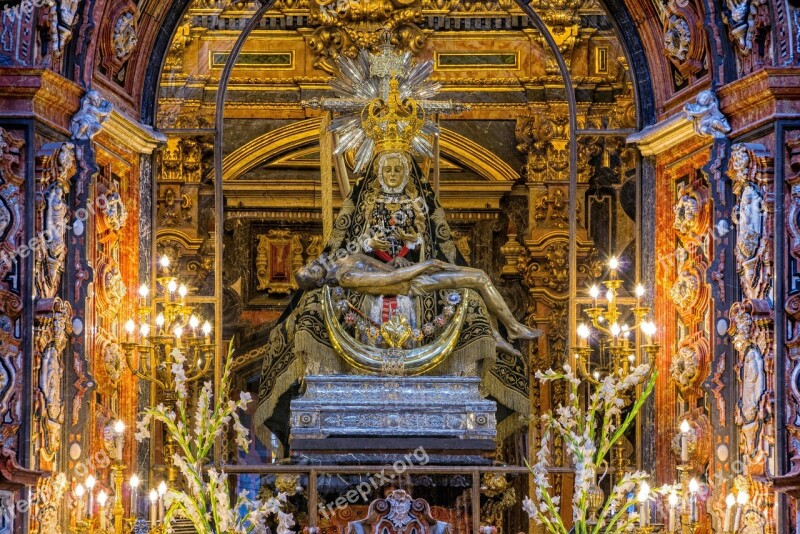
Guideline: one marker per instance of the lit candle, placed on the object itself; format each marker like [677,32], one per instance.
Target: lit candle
[172,287]
[644,508]
[685,441]
[182,291]
[730,500]
[129,327]
[613,265]
[153,501]
[673,504]
[649,330]
[694,486]
[594,292]
[639,293]
[80,508]
[134,483]
[583,334]
[162,490]
[194,322]
[119,429]
[144,331]
[143,292]
[207,332]
[741,500]
[102,497]
[164,261]
[178,333]
[90,482]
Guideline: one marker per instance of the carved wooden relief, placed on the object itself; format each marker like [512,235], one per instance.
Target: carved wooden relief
[750,170]
[12,236]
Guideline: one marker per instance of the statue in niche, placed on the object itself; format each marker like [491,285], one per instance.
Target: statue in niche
[753,388]
[55,230]
[747,215]
[390,282]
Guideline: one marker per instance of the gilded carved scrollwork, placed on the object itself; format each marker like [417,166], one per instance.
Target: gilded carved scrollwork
[689,292]
[687,362]
[345,26]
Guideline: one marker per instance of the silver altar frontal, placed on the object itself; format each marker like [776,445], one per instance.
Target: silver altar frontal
[392,406]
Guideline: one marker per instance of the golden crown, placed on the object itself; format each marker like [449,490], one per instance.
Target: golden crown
[393,123]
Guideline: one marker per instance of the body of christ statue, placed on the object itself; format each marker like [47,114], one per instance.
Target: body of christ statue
[366,275]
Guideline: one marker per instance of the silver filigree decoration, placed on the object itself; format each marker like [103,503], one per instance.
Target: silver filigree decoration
[365,78]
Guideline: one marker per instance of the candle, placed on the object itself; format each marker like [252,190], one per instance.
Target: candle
[583,334]
[685,441]
[741,501]
[693,488]
[639,293]
[80,508]
[129,327]
[164,263]
[102,497]
[153,500]
[594,292]
[673,504]
[613,265]
[160,322]
[730,500]
[178,333]
[90,482]
[143,292]
[644,508]
[134,490]
[119,429]
[182,291]
[162,490]
[207,332]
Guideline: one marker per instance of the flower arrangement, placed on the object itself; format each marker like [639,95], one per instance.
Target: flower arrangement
[207,504]
[588,435]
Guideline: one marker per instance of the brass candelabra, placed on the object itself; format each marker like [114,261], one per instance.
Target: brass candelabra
[617,347]
[152,349]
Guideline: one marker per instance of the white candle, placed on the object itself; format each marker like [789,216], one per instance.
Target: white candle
[693,487]
[685,441]
[102,497]
[134,490]
[119,429]
[162,490]
[153,500]
[90,482]
[644,509]
[80,506]
[741,501]
[730,500]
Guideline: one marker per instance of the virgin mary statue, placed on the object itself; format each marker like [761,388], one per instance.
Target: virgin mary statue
[390,278]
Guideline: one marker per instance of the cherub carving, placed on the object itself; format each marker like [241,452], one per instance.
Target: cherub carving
[94,111]
[705,114]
